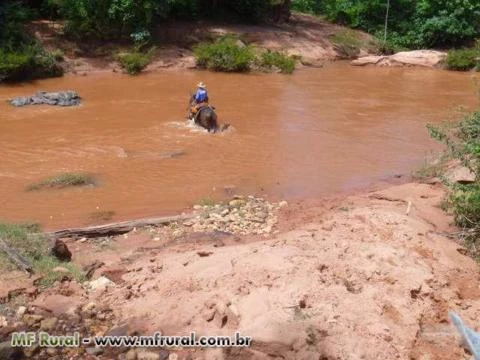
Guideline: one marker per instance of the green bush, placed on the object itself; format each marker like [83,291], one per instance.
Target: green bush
[463,59]
[307,6]
[226,54]
[31,62]
[135,61]
[107,18]
[270,59]
[13,15]
[20,56]
[463,144]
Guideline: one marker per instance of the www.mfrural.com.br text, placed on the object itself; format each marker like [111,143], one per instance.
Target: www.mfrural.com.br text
[44,339]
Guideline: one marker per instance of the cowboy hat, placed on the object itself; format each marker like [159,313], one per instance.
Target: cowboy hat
[202,85]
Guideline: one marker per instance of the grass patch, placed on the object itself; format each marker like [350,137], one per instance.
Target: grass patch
[27,241]
[226,54]
[349,42]
[57,54]
[63,180]
[463,59]
[133,62]
[462,141]
[274,59]
[31,62]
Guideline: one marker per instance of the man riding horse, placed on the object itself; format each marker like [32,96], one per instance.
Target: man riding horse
[200,98]
[202,113]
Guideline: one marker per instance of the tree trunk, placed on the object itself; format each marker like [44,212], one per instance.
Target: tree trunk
[116,228]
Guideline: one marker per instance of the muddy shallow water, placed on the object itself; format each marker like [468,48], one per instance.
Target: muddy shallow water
[310,134]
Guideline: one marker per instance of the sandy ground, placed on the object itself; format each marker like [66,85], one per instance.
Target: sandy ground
[369,276]
[307,37]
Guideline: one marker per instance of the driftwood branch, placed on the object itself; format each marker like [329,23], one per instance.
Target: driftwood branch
[16,258]
[116,228]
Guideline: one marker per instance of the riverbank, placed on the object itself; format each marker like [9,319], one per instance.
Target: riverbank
[309,38]
[294,287]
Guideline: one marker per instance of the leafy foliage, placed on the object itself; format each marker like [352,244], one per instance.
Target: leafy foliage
[225,54]
[463,143]
[29,62]
[107,18]
[307,6]
[463,59]
[20,56]
[12,17]
[285,63]
[135,61]
[412,23]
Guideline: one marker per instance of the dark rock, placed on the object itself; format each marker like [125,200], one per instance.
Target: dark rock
[61,98]
[60,251]
[7,352]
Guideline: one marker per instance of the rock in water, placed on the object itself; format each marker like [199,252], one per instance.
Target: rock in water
[427,58]
[60,98]
[60,251]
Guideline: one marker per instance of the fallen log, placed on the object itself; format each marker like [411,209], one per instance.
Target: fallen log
[116,228]
[16,258]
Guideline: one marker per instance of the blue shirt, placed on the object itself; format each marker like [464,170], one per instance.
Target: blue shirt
[201,95]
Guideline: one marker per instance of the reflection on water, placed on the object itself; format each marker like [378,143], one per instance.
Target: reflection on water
[313,133]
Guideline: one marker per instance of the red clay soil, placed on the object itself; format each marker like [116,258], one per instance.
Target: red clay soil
[369,276]
[308,37]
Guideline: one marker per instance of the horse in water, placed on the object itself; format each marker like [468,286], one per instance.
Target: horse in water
[207,118]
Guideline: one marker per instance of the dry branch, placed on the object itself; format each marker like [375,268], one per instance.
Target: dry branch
[116,228]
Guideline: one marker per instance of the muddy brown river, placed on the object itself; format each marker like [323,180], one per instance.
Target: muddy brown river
[317,132]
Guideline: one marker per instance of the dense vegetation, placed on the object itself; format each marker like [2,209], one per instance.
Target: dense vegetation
[411,23]
[20,56]
[120,18]
[463,144]
[225,54]
[229,54]
[463,59]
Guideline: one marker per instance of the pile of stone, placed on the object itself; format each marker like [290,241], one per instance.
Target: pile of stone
[60,98]
[241,215]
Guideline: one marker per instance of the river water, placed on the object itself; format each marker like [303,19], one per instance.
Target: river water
[317,132]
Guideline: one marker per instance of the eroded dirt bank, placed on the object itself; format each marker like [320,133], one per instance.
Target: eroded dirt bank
[369,276]
[313,40]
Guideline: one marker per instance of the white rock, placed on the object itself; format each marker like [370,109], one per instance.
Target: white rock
[21,311]
[3,321]
[426,58]
[101,283]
